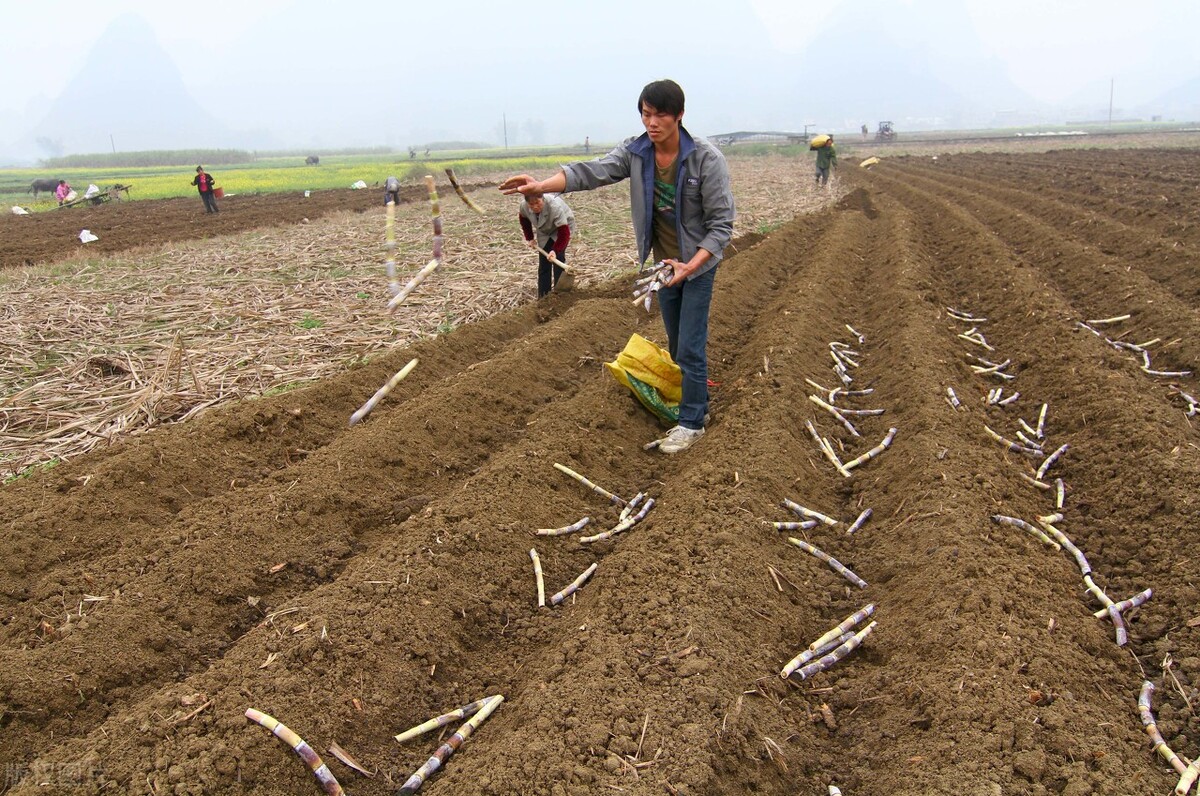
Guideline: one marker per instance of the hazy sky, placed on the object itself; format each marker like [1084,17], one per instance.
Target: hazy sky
[1054,51]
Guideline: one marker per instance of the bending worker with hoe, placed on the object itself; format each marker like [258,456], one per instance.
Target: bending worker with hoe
[683,211]
[547,222]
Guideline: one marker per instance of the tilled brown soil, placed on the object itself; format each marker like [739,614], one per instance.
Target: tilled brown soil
[121,226]
[353,582]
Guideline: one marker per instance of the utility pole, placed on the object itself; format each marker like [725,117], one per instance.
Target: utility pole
[114,143]
[1111,84]
[504,117]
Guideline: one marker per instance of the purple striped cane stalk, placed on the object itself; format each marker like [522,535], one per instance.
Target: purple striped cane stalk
[616,501]
[566,529]
[1151,727]
[965,317]
[829,659]
[1032,530]
[1041,426]
[795,526]
[833,410]
[871,454]
[826,448]
[1012,446]
[1080,559]
[861,339]
[1188,778]
[814,652]
[537,576]
[1122,632]
[449,747]
[836,565]
[1060,493]
[1039,484]
[622,526]
[461,193]
[860,522]
[1126,604]
[1051,459]
[574,586]
[379,395]
[390,245]
[845,625]
[952,399]
[437,722]
[1009,399]
[315,764]
[1028,427]
[631,505]
[806,513]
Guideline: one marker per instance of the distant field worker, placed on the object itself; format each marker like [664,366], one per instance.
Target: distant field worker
[547,221]
[60,193]
[391,191]
[826,157]
[204,183]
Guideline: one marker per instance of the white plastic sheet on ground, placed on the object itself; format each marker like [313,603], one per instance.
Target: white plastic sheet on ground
[360,184]
[19,211]
[92,190]
[86,236]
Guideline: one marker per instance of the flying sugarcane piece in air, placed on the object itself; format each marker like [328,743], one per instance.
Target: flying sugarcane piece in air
[366,408]
[436,262]
[461,193]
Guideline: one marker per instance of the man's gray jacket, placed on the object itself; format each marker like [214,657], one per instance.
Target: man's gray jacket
[704,211]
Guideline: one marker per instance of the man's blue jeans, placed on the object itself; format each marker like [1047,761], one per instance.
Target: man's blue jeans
[685,316]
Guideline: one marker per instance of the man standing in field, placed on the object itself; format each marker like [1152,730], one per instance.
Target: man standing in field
[391,191]
[547,223]
[683,210]
[204,182]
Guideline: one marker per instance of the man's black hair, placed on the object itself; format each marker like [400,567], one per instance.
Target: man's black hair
[665,96]
[199,169]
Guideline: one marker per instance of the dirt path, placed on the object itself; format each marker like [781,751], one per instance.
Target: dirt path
[354,582]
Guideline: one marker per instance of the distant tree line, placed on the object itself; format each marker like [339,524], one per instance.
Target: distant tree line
[172,157]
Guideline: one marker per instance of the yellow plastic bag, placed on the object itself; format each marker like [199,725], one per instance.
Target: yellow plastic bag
[819,141]
[652,376]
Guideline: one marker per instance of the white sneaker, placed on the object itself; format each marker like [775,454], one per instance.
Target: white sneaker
[680,439]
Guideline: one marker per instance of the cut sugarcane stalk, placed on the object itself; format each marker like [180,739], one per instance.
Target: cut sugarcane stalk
[315,764]
[845,625]
[461,193]
[1060,493]
[537,576]
[795,526]
[976,338]
[829,659]
[1035,482]
[566,529]
[1188,778]
[965,317]
[866,412]
[1041,426]
[379,395]
[864,391]
[1028,428]
[1085,568]
[1009,399]
[458,714]
[1106,321]
[1012,446]
[413,784]
[420,277]
[390,246]
[861,339]
[953,398]
[871,454]
[1170,374]
[597,489]
[1032,530]
[834,790]
[993,396]
[1151,727]
[574,586]
[1051,459]
[814,652]
[837,414]
[834,564]
[1122,633]
[801,511]
[826,449]
[1029,443]
[630,506]
[818,387]
[860,522]
[621,526]
[1127,604]
[992,368]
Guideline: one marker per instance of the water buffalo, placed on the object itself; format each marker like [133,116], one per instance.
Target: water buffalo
[312,160]
[39,185]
